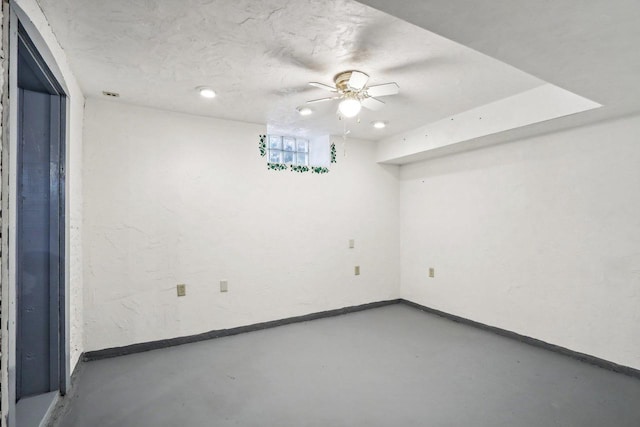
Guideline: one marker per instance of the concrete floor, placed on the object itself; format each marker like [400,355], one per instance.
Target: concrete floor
[390,366]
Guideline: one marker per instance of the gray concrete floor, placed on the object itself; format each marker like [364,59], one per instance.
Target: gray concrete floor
[390,366]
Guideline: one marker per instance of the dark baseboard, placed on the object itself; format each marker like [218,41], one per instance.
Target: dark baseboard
[171,342]
[592,360]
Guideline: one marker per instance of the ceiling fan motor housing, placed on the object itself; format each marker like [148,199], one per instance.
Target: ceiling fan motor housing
[342,81]
[351,87]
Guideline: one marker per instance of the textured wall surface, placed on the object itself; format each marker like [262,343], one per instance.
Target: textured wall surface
[172,198]
[539,236]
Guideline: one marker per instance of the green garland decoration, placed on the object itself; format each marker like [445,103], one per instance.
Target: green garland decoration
[262,145]
[333,152]
[319,169]
[299,168]
[277,166]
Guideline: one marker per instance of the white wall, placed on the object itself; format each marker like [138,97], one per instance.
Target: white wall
[172,198]
[539,236]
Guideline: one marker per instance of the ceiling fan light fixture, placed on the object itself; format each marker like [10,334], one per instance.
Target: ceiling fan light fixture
[305,111]
[349,107]
[206,92]
[350,87]
[379,124]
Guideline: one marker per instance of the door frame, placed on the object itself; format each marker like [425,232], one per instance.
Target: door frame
[17,17]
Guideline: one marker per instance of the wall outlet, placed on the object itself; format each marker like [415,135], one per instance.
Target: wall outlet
[432,272]
[182,290]
[352,243]
[356,270]
[224,286]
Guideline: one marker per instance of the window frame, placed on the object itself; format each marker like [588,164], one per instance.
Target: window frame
[279,147]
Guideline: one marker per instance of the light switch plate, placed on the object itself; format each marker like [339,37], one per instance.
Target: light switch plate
[432,272]
[352,243]
[182,290]
[357,270]
[224,286]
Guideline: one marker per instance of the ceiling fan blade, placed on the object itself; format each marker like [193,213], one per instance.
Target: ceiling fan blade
[323,86]
[419,65]
[290,91]
[383,89]
[313,101]
[357,80]
[369,37]
[290,57]
[372,103]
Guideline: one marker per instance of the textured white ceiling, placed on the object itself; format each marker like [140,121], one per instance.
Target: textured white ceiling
[259,56]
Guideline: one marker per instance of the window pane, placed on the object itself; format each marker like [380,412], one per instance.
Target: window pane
[288,156]
[275,156]
[275,142]
[288,143]
[303,145]
[302,159]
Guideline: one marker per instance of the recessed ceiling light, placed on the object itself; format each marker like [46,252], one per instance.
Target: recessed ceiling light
[305,111]
[206,92]
[379,124]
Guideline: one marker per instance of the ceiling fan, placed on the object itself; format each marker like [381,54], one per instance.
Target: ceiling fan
[351,88]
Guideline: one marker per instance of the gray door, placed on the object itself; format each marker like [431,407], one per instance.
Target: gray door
[40,230]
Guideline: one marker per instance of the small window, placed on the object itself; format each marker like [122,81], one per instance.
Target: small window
[288,150]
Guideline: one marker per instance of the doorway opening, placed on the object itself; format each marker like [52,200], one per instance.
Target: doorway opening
[40,368]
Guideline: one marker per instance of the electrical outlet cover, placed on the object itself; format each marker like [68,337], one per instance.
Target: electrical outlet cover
[182,290]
